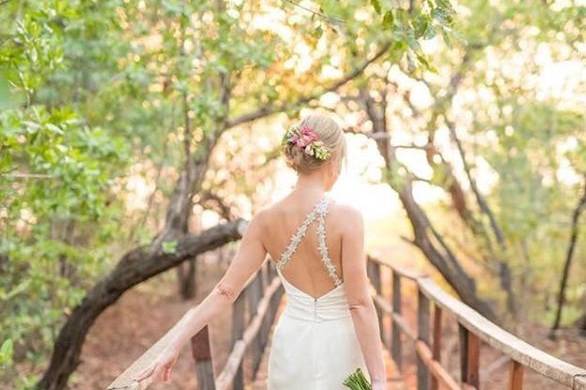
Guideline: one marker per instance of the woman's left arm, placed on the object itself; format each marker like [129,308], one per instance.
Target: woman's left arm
[248,259]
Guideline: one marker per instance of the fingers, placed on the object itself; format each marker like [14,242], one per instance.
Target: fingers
[151,374]
[157,372]
[147,372]
[168,370]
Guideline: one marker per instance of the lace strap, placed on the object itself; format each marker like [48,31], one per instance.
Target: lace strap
[323,248]
[300,233]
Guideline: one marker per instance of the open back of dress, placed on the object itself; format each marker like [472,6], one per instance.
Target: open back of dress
[314,346]
[315,217]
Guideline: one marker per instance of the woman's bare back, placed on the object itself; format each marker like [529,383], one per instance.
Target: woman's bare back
[305,270]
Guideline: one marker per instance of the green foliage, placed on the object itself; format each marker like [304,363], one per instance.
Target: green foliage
[169,247]
[532,146]
[56,168]
[533,199]
[6,351]
[87,89]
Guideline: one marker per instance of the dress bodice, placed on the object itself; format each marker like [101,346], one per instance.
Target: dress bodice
[332,305]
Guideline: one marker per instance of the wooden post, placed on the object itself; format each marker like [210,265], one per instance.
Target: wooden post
[515,375]
[264,273]
[271,268]
[422,335]
[254,294]
[275,299]
[469,357]
[237,333]
[202,354]
[436,342]
[396,347]
[265,327]
[376,282]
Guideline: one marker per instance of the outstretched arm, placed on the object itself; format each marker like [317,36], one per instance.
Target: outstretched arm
[359,300]
[248,259]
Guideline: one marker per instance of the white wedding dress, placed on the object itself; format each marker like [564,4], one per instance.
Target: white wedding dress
[314,345]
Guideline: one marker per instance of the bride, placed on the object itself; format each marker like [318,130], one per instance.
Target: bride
[329,325]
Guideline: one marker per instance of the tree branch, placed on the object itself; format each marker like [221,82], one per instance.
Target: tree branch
[272,109]
[482,203]
[568,262]
[134,267]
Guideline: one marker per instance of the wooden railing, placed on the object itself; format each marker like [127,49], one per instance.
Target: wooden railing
[259,299]
[472,328]
[254,311]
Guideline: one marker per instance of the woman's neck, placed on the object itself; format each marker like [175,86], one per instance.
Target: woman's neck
[309,184]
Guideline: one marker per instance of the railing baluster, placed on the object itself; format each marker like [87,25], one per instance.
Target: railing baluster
[254,294]
[201,351]
[376,282]
[436,342]
[237,332]
[469,357]
[396,346]
[422,335]
[265,275]
[265,326]
[515,375]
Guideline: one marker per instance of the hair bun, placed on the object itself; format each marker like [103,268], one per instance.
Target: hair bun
[320,140]
[298,160]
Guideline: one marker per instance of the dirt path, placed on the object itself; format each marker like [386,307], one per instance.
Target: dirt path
[124,331]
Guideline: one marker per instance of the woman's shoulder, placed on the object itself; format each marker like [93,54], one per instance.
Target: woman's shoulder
[347,214]
[266,212]
[344,208]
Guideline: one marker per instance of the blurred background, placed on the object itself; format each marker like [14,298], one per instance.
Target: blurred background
[127,124]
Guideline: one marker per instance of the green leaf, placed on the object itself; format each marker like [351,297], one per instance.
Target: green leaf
[318,32]
[54,129]
[169,247]
[6,352]
[376,6]
[388,20]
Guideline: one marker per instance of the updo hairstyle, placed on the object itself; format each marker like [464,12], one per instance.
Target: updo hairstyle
[328,132]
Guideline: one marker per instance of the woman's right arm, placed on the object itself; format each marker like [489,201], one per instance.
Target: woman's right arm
[360,302]
[247,260]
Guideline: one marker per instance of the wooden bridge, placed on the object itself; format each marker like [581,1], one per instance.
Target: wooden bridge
[255,310]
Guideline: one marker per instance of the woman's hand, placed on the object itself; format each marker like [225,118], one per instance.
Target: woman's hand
[160,369]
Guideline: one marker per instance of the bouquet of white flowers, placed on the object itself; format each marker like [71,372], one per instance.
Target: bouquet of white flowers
[357,381]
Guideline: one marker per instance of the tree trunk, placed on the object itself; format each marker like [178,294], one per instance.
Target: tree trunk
[439,255]
[581,322]
[568,263]
[504,271]
[133,268]
[186,273]
[427,239]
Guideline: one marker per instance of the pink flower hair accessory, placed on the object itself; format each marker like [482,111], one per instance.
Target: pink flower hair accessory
[306,138]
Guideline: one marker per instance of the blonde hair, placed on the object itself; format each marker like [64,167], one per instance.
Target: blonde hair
[329,132]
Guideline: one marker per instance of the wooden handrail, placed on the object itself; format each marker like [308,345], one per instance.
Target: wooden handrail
[261,295]
[473,328]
